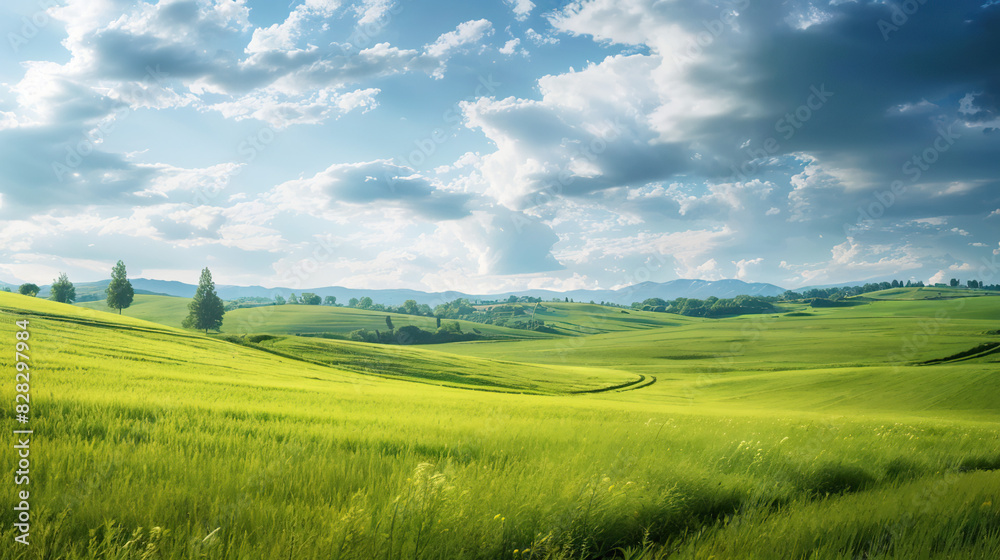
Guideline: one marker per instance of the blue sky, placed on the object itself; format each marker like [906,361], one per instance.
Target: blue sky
[493,146]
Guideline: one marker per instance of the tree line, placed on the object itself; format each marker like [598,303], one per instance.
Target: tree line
[204,312]
[710,307]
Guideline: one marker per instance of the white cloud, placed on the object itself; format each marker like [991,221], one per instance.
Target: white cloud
[375,184]
[466,33]
[510,47]
[285,35]
[743,264]
[281,111]
[521,8]
[539,39]
[372,11]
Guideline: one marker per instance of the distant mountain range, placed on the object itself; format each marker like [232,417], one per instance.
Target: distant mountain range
[674,289]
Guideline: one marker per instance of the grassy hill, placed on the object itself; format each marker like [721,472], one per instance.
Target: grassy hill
[288,319]
[776,437]
[931,293]
[165,310]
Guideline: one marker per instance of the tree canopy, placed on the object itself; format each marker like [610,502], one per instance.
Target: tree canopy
[119,291]
[206,308]
[28,289]
[63,290]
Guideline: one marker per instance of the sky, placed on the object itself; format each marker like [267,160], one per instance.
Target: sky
[498,146]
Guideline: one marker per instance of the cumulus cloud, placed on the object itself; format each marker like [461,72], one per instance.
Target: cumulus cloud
[375,183]
[373,11]
[672,101]
[521,8]
[507,242]
[511,47]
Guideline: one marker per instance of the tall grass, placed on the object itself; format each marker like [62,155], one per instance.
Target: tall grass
[162,444]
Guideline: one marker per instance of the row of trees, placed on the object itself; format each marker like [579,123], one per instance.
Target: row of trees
[835,294]
[204,312]
[973,284]
[119,291]
[62,289]
[711,307]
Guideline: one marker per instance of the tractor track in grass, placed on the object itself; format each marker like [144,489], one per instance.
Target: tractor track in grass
[642,381]
[980,351]
[628,386]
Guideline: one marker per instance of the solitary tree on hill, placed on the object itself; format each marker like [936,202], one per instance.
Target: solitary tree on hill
[206,309]
[28,289]
[120,292]
[63,290]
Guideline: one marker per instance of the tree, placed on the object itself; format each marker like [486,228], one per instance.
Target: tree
[330,300]
[309,298]
[353,302]
[29,290]
[365,303]
[410,307]
[954,282]
[292,300]
[278,300]
[120,292]
[6,289]
[206,309]
[63,290]
[388,322]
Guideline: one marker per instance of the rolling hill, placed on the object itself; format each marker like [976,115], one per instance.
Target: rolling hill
[624,296]
[806,435]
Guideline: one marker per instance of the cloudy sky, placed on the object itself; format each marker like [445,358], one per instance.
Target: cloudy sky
[489,146]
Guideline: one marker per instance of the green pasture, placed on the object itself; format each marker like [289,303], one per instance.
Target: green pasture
[795,437]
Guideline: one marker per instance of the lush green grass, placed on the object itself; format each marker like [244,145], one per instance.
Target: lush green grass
[431,366]
[294,319]
[153,442]
[884,333]
[587,319]
[165,310]
[928,293]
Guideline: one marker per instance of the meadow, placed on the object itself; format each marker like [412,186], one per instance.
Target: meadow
[295,319]
[809,434]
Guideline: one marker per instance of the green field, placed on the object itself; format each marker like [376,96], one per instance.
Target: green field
[809,434]
[297,319]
